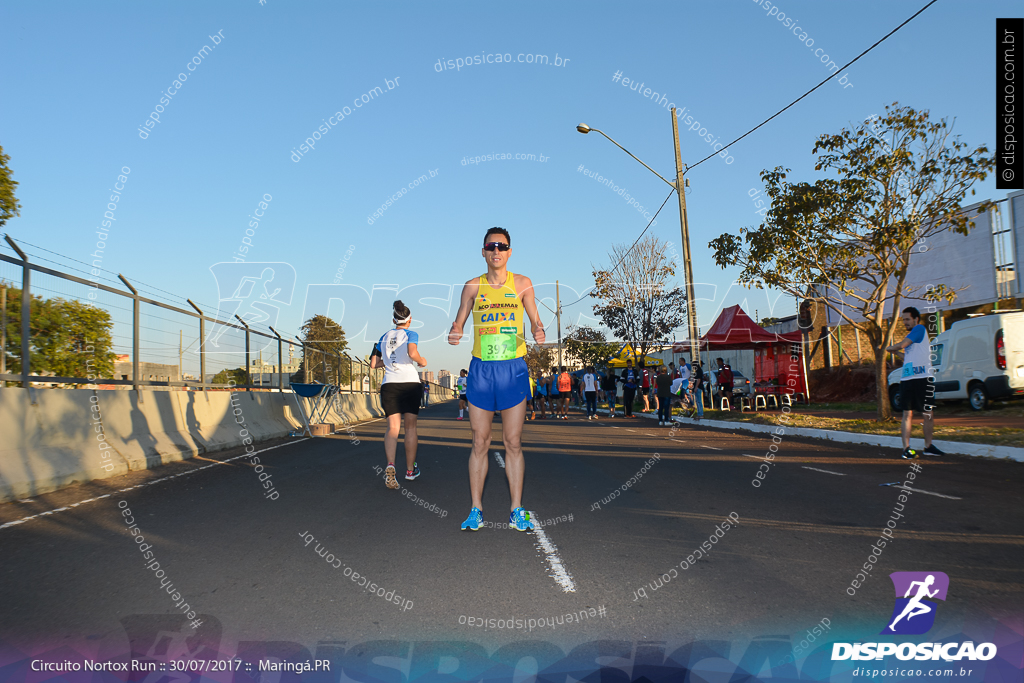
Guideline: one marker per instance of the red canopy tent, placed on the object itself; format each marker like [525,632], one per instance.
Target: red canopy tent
[735,330]
[775,359]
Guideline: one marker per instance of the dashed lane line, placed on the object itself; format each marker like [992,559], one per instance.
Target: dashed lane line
[930,493]
[559,573]
[825,471]
[148,483]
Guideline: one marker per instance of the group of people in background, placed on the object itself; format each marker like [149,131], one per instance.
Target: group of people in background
[659,389]
[551,393]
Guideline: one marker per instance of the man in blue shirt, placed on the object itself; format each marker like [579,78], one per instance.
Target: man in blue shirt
[917,383]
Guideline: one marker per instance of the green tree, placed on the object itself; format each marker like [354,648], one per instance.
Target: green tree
[323,342]
[638,303]
[538,359]
[846,241]
[588,346]
[225,376]
[9,206]
[68,338]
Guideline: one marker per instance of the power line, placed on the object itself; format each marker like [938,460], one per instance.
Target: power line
[670,193]
[776,114]
[879,42]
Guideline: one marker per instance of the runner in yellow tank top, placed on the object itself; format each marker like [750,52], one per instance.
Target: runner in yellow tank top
[498,377]
[499,332]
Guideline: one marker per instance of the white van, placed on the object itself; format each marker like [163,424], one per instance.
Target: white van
[980,358]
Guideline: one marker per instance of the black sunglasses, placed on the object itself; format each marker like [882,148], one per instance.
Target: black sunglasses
[500,246]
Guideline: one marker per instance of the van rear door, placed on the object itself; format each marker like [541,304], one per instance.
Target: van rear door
[1013,347]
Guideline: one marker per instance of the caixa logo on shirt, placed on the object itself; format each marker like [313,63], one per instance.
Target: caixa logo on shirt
[914,614]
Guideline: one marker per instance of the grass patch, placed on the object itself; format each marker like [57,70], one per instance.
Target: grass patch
[997,436]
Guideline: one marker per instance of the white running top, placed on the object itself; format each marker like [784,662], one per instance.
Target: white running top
[394,351]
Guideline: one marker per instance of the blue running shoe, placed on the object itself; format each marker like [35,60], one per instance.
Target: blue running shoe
[519,520]
[473,522]
[413,473]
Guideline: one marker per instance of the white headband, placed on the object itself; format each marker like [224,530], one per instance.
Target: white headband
[402,321]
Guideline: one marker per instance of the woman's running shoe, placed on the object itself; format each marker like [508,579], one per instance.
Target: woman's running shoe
[389,477]
[413,473]
[909,454]
[519,520]
[473,522]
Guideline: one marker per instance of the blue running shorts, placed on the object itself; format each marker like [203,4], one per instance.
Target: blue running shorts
[498,385]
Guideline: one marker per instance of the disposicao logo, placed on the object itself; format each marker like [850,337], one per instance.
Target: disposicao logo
[914,614]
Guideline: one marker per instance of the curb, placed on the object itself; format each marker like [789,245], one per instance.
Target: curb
[978,450]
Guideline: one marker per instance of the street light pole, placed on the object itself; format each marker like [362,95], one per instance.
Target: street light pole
[691,304]
[679,185]
[558,317]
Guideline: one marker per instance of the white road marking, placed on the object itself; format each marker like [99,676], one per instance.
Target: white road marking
[825,471]
[559,573]
[628,429]
[747,455]
[711,447]
[148,483]
[677,440]
[501,461]
[930,493]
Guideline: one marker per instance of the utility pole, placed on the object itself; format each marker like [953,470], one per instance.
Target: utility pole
[3,332]
[558,317]
[179,354]
[691,306]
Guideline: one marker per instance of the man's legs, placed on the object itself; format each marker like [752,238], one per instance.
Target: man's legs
[647,404]
[515,465]
[627,401]
[907,427]
[480,422]
[410,442]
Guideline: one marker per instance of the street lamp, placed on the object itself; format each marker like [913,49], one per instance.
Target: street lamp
[678,186]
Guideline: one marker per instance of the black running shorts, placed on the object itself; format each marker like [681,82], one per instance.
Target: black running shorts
[401,397]
[918,394]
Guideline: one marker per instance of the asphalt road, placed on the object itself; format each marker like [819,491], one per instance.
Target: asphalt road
[75,576]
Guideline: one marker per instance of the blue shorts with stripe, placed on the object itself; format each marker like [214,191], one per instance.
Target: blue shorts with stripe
[497,385]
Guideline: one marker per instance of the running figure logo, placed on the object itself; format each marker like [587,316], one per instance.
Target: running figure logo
[255,293]
[914,615]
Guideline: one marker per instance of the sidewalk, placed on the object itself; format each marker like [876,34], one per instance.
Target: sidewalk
[895,442]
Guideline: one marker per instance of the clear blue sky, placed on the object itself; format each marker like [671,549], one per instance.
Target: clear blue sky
[78,81]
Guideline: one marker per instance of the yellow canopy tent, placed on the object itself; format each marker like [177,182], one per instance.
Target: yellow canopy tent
[626,353]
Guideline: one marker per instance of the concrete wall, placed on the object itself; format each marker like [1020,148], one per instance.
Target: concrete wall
[77,435]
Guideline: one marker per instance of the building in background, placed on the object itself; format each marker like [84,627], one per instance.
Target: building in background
[444,378]
[981,265]
[426,376]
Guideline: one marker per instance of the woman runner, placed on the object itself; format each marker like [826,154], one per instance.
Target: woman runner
[401,391]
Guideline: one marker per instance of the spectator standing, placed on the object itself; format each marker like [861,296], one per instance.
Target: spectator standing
[697,388]
[917,382]
[589,383]
[663,386]
[426,392]
[724,379]
[610,389]
[630,381]
[645,385]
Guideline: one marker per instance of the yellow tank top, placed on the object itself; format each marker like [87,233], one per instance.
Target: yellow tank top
[499,330]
